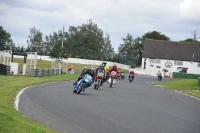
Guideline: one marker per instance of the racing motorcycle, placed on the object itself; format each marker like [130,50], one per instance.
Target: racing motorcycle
[159,78]
[118,75]
[83,84]
[131,77]
[122,76]
[99,79]
[112,78]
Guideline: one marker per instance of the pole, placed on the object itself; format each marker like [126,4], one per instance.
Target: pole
[63,36]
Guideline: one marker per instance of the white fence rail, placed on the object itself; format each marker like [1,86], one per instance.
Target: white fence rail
[93,62]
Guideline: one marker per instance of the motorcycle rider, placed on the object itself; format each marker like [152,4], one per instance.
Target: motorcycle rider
[84,69]
[159,74]
[122,73]
[114,68]
[100,68]
[90,72]
[106,67]
[131,72]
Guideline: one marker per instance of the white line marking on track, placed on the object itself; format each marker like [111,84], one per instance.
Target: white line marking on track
[186,94]
[16,103]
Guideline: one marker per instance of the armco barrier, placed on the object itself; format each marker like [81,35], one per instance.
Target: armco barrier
[93,62]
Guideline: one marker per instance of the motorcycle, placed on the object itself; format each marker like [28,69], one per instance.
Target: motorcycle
[131,77]
[112,78]
[83,84]
[99,80]
[159,78]
[118,75]
[122,76]
[107,76]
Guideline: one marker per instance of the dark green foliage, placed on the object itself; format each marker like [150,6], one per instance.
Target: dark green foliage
[189,40]
[5,39]
[86,41]
[185,75]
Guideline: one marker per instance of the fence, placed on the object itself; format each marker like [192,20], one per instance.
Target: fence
[4,70]
[45,72]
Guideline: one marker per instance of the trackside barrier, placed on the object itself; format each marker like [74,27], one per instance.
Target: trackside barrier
[95,62]
[45,72]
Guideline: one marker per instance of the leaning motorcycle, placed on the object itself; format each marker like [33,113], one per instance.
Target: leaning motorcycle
[99,80]
[131,77]
[112,78]
[83,84]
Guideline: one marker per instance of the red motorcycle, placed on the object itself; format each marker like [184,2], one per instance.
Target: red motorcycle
[112,78]
[99,79]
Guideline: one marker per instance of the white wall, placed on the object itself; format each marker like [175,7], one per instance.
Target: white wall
[80,61]
[192,67]
[92,62]
[14,67]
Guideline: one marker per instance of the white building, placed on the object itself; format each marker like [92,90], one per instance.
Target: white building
[172,56]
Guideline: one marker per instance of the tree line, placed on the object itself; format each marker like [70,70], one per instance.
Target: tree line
[87,41]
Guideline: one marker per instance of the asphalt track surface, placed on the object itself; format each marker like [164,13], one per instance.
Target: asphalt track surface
[135,107]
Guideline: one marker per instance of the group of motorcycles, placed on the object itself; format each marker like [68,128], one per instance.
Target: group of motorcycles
[110,78]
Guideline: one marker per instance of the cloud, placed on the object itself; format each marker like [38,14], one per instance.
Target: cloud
[174,18]
[189,9]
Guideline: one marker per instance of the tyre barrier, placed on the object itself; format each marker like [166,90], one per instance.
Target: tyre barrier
[45,72]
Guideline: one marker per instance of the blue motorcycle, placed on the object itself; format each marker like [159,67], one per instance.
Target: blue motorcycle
[83,84]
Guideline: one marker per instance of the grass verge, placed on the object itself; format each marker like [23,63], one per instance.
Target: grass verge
[188,86]
[11,121]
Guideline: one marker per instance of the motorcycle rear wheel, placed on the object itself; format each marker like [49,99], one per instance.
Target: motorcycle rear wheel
[97,84]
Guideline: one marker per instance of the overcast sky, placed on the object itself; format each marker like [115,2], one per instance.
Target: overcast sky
[177,19]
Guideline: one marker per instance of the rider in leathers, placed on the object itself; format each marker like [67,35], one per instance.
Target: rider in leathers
[101,67]
[90,72]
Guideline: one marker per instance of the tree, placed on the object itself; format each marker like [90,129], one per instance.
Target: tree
[35,38]
[149,35]
[107,49]
[51,40]
[155,35]
[5,39]
[189,40]
[127,50]
[84,41]
[194,33]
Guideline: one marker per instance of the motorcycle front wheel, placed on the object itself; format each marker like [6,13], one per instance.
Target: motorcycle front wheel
[80,89]
[111,83]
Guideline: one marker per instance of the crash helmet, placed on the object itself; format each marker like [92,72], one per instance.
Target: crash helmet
[101,66]
[114,66]
[92,69]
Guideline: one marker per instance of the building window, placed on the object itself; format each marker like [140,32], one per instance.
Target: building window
[156,61]
[198,64]
[151,60]
[178,63]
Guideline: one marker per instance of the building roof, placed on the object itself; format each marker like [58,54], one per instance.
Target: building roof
[161,49]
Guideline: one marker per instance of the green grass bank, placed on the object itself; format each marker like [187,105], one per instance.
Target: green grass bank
[11,121]
[188,86]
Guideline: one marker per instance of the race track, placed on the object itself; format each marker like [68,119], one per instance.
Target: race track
[135,107]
